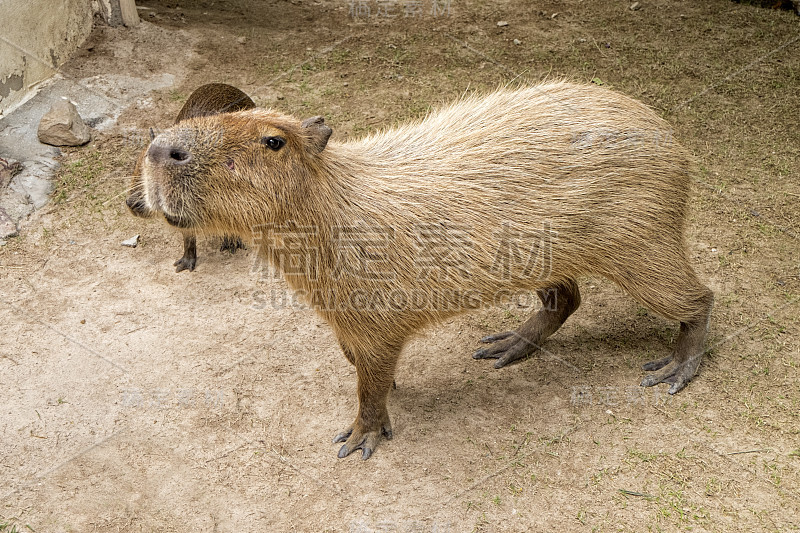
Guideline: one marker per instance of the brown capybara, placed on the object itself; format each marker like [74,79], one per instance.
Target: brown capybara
[209,99]
[525,189]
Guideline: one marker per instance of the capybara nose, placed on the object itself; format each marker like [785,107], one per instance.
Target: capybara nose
[168,155]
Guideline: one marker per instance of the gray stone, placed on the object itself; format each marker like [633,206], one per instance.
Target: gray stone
[502,23]
[7,226]
[132,242]
[35,183]
[63,126]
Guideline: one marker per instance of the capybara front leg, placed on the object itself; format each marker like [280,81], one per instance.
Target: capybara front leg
[189,259]
[559,302]
[375,377]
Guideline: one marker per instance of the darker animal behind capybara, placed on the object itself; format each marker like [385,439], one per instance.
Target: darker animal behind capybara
[209,99]
[525,189]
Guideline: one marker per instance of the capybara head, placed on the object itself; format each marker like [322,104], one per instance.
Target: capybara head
[209,99]
[222,172]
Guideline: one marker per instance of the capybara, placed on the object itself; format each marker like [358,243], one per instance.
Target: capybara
[524,189]
[206,100]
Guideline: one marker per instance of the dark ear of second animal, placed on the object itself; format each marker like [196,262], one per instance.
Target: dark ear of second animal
[210,99]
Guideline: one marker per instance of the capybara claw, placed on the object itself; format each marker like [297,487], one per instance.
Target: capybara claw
[342,436]
[481,354]
[658,364]
[343,452]
[496,337]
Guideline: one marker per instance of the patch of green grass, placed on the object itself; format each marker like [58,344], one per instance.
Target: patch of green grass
[642,456]
[12,527]
[82,175]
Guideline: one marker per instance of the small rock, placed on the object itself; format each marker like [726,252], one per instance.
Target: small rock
[7,226]
[241,40]
[63,126]
[345,84]
[554,15]
[8,169]
[755,213]
[635,6]
[517,42]
[132,242]
[502,23]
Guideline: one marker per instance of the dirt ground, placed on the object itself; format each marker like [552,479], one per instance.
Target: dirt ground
[139,399]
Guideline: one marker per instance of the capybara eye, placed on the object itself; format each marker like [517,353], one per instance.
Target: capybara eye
[274,143]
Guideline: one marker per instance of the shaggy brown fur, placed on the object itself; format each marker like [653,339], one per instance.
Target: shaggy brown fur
[521,189]
[206,100]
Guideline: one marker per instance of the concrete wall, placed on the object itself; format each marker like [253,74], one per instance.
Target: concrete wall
[36,37]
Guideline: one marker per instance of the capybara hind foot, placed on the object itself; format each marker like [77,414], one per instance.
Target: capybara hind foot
[506,347]
[231,244]
[679,368]
[672,372]
[359,437]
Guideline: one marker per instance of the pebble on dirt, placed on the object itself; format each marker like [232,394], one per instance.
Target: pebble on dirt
[63,126]
[502,23]
[132,242]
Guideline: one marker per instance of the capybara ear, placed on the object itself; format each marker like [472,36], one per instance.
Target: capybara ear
[318,132]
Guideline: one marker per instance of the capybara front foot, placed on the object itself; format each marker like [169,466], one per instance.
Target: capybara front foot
[358,437]
[505,347]
[231,244]
[187,262]
[189,259]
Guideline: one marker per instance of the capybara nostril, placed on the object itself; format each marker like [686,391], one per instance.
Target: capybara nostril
[179,156]
[168,155]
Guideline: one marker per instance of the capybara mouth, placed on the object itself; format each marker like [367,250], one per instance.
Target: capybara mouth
[138,207]
[178,222]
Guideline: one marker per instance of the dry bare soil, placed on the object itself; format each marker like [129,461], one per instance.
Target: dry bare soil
[138,399]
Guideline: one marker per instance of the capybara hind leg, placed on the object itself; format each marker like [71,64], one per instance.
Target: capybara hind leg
[679,368]
[694,311]
[559,301]
[375,371]
[231,244]
[189,259]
